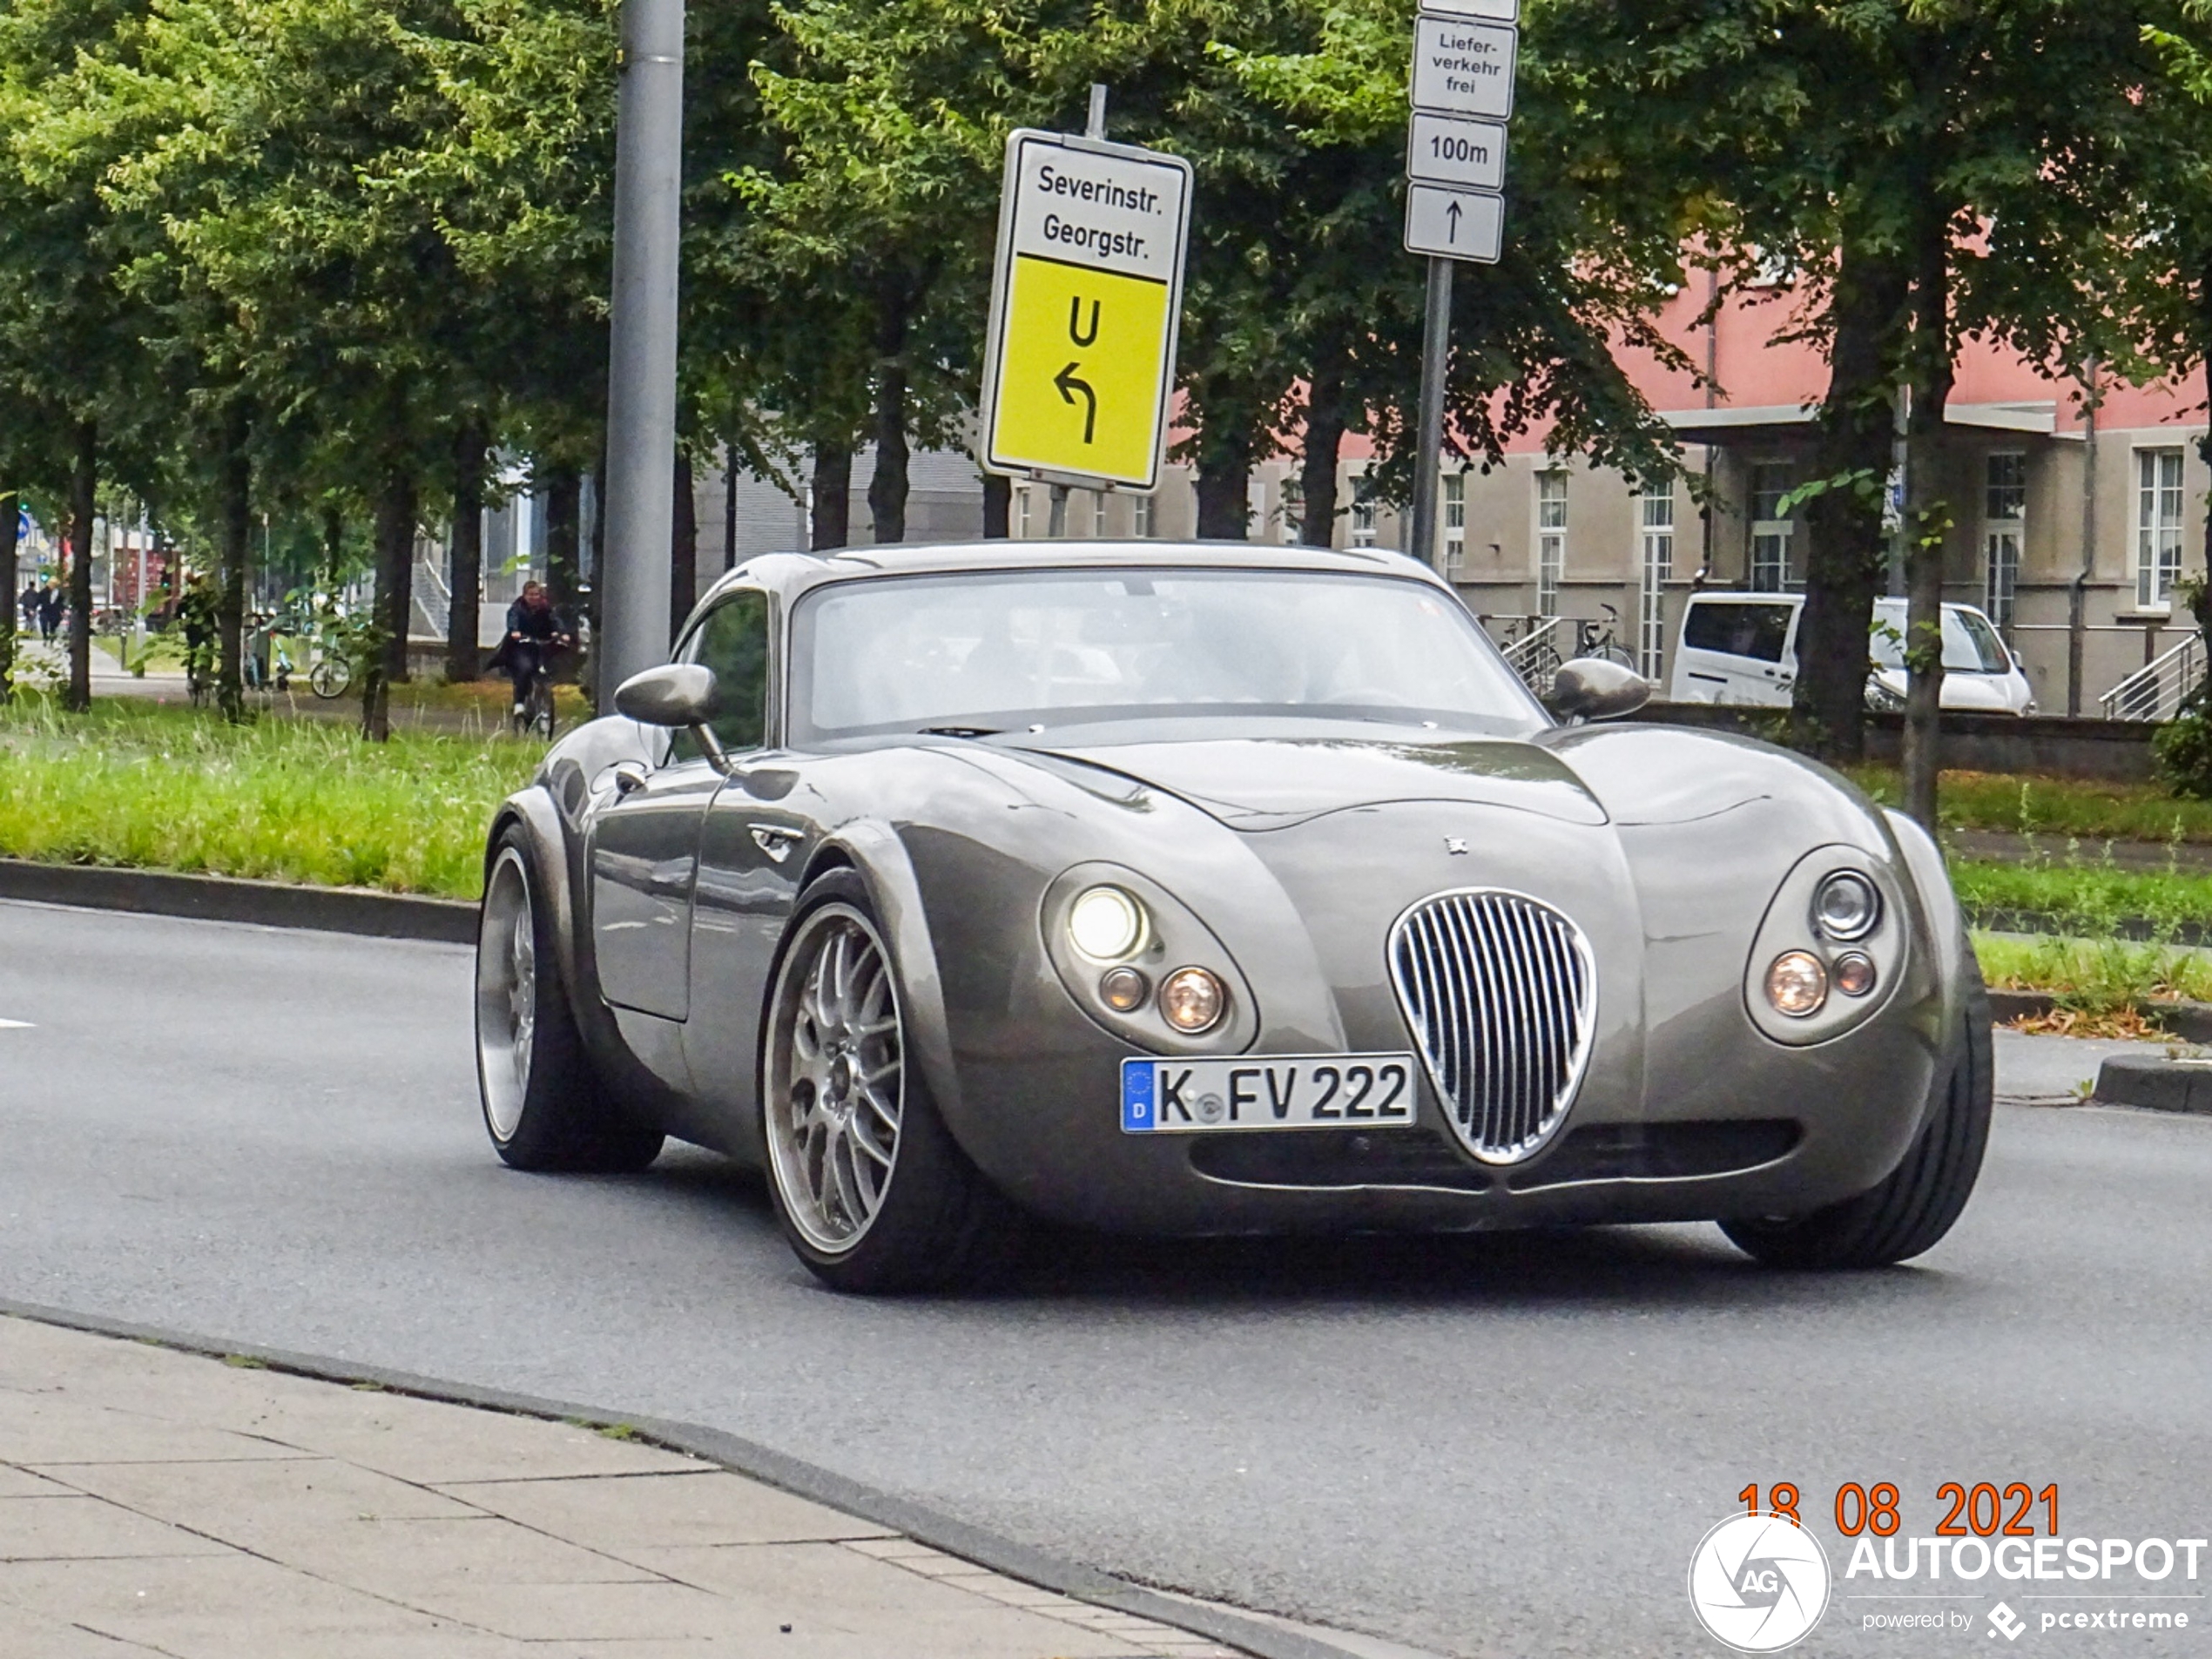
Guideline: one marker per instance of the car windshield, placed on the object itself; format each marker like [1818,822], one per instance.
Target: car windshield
[1970,643]
[977,653]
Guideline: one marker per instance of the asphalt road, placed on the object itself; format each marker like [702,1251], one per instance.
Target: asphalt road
[1504,1446]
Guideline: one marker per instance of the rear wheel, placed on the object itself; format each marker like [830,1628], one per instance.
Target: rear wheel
[544,1106]
[873,1192]
[1911,1211]
[329,678]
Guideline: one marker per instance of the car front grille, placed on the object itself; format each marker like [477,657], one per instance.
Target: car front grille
[1501,992]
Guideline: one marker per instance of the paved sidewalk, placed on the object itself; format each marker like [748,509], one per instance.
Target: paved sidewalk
[160,1502]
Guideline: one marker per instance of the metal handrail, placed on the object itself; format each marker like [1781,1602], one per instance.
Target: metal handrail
[2156,690]
[1518,652]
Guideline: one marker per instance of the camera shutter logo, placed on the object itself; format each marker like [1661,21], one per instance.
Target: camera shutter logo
[1758,1584]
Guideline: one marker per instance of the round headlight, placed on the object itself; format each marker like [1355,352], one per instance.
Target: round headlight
[1123,989]
[1854,972]
[1106,924]
[1797,984]
[1192,999]
[1846,905]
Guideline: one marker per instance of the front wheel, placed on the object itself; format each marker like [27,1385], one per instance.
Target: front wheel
[1910,1212]
[544,1106]
[330,677]
[871,1189]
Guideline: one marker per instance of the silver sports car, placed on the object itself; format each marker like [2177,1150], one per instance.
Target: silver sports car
[1207,889]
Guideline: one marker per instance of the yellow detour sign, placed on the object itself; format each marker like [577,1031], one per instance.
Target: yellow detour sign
[1085,309]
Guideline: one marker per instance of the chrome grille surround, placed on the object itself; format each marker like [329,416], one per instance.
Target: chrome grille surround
[1501,992]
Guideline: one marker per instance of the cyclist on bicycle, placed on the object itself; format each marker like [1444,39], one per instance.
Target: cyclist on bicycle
[535,635]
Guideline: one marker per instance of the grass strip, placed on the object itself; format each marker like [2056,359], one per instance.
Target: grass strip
[150,787]
[2059,808]
[2095,975]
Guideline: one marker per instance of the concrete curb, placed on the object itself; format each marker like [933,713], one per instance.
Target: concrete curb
[917,1521]
[2157,1085]
[268,904]
[2190,1021]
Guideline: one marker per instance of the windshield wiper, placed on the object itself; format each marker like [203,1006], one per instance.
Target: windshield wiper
[959,731]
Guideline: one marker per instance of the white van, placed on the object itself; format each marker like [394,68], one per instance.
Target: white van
[1742,649]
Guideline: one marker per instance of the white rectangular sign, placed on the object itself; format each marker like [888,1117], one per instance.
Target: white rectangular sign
[1455,224]
[1489,10]
[1445,149]
[1464,68]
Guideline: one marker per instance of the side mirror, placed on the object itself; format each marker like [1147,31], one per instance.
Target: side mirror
[680,695]
[676,694]
[1589,688]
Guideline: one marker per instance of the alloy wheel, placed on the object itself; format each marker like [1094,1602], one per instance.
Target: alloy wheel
[506,994]
[836,1083]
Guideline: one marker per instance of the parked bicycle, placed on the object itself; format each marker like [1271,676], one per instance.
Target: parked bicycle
[1601,639]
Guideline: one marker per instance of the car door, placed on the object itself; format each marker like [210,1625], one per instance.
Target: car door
[753,845]
[645,842]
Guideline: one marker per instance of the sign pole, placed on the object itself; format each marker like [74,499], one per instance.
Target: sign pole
[641,372]
[1436,362]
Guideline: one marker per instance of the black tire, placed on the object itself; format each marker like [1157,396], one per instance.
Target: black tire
[329,678]
[1909,1213]
[936,1221]
[546,1110]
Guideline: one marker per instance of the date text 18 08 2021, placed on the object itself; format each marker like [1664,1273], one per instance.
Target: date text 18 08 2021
[1984,1509]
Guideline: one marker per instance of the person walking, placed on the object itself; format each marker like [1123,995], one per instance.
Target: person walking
[52,603]
[27,606]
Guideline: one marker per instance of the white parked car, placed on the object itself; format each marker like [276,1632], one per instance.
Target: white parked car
[1742,649]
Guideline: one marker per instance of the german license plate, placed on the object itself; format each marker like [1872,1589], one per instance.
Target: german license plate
[1266,1091]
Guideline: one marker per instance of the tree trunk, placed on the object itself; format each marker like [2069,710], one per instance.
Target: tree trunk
[887,487]
[729,508]
[10,522]
[1325,425]
[1927,519]
[998,507]
[1224,467]
[233,550]
[588,670]
[1225,494]
[394,532]
[464,618]
[833,493]
[684,546]
[84,506]
[563,487]
[1843,572]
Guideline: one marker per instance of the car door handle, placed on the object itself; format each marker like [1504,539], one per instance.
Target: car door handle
[775,841]
[630,777]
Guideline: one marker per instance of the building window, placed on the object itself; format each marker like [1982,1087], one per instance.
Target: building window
[1141,517]
[1098,514]
[2158,527]
[1293,511]
[1363,523]
[1023,529]
[1773,564]
[1551,540]
[1455,523]
[1658,568]
[2004,510]
[2006,498]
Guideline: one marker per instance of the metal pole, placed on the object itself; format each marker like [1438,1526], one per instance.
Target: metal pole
[1428,458]
[641,372]
[2077,601]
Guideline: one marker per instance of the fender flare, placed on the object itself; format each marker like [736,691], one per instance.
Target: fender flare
[559,859]
[874,852]
[1946,922]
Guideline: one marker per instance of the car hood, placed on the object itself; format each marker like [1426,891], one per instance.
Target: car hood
[1257,784]
[1967,692]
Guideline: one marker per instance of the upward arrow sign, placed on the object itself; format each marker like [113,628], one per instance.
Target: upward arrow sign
[1452,214]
